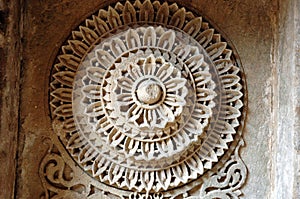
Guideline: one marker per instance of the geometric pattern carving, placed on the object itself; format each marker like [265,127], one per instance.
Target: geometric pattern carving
[147,99]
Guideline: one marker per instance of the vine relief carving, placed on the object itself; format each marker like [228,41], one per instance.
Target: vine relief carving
[146,102]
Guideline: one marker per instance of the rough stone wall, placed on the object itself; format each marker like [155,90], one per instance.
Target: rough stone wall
[10,63]
[285,139]
[297,97]
[252,26]
[297,108]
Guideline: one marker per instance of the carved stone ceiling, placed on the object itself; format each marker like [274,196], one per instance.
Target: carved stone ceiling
[147,101]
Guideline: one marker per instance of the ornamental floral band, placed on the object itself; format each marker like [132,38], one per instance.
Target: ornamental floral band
[146,102]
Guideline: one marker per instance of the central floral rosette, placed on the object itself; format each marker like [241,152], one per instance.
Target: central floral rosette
[143,101]
[151,94]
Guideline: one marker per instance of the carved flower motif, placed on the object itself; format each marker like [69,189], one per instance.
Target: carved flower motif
[143,99]
[146,107]
[151,94]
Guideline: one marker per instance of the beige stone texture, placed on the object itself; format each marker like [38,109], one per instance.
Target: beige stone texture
[264,33]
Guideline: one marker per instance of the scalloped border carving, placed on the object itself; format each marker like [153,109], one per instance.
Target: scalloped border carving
[101,26]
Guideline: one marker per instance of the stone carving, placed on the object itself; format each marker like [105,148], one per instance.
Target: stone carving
[154,91]
[147,99]
[226,183]
[59,181]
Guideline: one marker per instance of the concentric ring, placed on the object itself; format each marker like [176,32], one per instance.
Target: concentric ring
[137,139]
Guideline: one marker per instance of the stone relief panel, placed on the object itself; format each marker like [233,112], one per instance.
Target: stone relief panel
[147,101]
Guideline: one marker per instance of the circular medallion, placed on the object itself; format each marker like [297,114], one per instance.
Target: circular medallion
[146,97]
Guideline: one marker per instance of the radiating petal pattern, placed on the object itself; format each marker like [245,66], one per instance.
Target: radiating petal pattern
[143,107]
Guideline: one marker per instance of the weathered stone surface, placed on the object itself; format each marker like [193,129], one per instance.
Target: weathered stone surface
[297,97]
[10,64]
[244,29]
[272,126]
[285,139]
